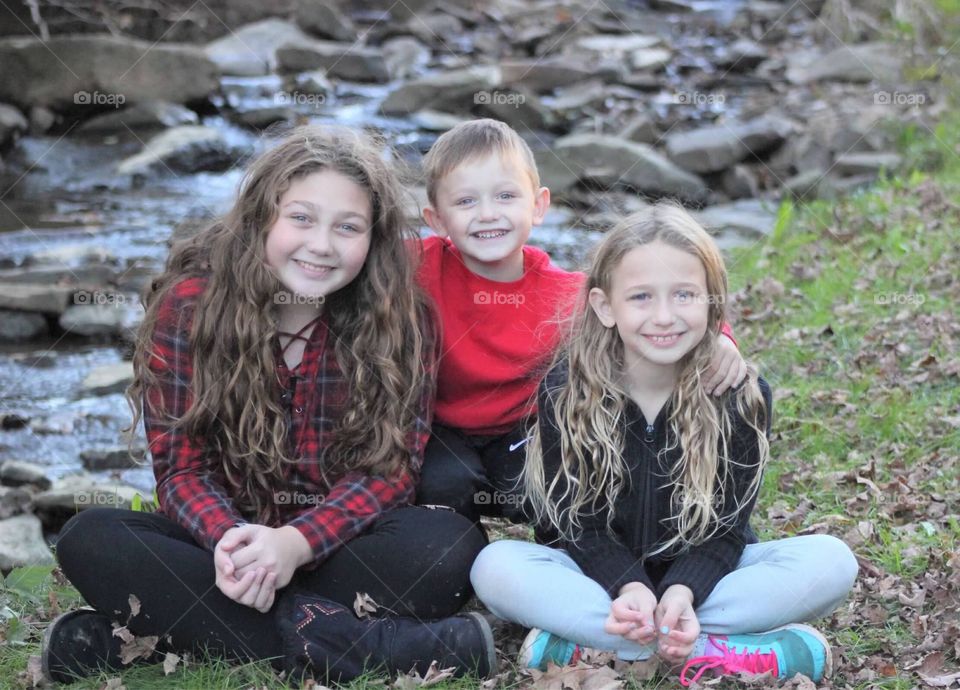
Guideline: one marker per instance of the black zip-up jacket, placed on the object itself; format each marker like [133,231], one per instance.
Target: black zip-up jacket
[643,516]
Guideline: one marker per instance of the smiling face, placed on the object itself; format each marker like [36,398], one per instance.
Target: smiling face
[658,302]
[487,207]
[320,239]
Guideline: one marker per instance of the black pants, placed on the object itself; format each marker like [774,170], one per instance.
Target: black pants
[474,475]
[413,561]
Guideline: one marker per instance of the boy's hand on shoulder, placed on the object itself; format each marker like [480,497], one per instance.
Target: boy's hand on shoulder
[727,370]
[632,614]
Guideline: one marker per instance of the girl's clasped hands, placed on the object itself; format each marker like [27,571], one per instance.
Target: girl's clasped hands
[253,561]
[636,615]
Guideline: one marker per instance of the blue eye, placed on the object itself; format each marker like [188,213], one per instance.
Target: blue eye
[463,202]
[640,296]
[349,228]
[300,218]
[508,195]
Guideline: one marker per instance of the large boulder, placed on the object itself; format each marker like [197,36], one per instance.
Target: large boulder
[187,149]
[21,326]
[50,299]
[467,86]
[344,60]
[323,18]
[616,162]
[109,378]
[251,50]
[99,71]
[141,116]
[864,62]
[715,148]
[22,543]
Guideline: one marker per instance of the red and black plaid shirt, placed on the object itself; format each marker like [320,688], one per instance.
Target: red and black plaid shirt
[191,485]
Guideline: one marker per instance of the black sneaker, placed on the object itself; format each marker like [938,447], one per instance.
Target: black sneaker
[326,641]
[78,644]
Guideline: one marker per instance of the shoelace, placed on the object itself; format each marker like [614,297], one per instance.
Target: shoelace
[730,662]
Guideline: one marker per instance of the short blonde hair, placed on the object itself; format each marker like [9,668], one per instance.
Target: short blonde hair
[472,139]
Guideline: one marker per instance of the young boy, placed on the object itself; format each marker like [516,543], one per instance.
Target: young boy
[500,303]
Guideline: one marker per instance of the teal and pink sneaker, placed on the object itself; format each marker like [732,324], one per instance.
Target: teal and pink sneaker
[786,651]
[541,647]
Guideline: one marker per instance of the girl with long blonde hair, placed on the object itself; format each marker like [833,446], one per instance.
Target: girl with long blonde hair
[642,484]
[284,375]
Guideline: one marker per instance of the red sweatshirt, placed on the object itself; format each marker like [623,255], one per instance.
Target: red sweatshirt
[497,337]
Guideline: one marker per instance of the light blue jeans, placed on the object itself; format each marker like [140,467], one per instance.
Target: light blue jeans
[775,583]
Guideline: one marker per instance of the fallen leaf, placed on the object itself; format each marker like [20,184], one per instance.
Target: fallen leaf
[134,606]
[940,681]
[170,662]
[364,605]
[35,672]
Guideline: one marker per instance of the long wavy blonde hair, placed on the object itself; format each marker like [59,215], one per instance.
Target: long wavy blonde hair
[379,322]
[589,406]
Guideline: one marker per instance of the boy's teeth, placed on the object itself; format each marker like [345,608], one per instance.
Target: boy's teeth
[490,234]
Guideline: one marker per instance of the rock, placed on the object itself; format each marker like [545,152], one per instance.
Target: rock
[461,86]
[61,424]
[322,18]
[112,314]
[742,55]
[186,149]
[17,473]
[12,420]
[613,161]
[120,458]
[88,275]
[22,543]
[739,182]
[601,46]
[142,116]
[314,82]
[13,501]
[714,148]
[554,172]
[641,129]
[865,62]
[51,299]
[577,97]
[251,50]
[261,118]
[405,57]
[21,326]
[521,109]
[72,254]
[544,74]
[12,124]
[434,28]
[434,121]
[109,378]
[749,217]
[104,71]
[804,186]
[79,492]
[41,119]
[340,60]
[850,164]
[651,59]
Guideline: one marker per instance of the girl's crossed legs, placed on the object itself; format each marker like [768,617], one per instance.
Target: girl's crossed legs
[775,583]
